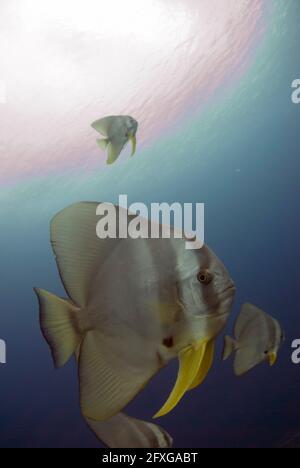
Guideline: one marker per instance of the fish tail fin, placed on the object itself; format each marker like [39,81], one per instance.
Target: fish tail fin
[229,347]
[59,324]
[102,143]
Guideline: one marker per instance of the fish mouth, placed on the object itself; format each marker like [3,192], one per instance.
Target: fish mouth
[228,292]
[224,299]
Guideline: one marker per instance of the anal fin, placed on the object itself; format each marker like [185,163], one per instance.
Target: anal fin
[107,380]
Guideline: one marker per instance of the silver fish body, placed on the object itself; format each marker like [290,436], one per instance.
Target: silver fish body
[117,131]
[150,286]
[133,305]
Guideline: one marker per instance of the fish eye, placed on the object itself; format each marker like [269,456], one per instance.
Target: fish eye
[204,277]
[266,352]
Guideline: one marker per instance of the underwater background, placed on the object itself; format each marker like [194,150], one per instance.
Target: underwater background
[210,84]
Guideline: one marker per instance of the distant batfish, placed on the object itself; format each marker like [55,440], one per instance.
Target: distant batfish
[258,337]
[117,130]
[132,306]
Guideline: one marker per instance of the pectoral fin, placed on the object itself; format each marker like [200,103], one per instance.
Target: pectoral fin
[103,143]
[190,363]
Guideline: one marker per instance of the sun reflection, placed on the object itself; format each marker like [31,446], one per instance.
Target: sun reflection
[68,62]
[147,20]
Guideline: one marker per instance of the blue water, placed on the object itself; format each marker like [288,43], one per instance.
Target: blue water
[241,158]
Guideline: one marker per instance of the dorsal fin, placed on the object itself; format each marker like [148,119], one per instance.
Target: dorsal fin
[103,125]
[79,252]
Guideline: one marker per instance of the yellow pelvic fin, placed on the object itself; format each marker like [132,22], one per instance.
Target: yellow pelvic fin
[205,366]
[272,358]
[132,138]
[190,360]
